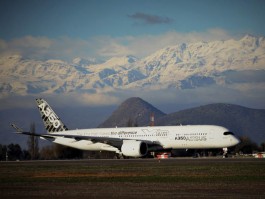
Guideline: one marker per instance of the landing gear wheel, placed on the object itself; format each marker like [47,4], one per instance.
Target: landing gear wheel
[225,150]
[119,156]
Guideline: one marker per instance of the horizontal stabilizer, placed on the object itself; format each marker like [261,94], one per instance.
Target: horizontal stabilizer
[19,130]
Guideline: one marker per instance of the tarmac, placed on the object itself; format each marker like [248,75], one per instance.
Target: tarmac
[134,178]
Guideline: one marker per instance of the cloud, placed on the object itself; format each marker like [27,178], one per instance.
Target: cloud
[246,76]
[106,46]
[28,46]
[74,99]
[103,47]
[2,44]
[144,45]
[43,48]
[168,100]
[150,19]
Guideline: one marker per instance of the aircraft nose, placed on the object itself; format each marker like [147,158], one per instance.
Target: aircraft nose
[235,140]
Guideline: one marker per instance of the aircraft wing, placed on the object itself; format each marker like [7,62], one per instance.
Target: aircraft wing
[35,134]
[106,140]
[116,142]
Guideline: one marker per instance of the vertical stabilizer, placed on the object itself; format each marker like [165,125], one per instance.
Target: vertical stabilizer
[51,121]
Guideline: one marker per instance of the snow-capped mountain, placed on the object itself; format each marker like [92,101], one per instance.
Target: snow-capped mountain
[203,61]
[184,66]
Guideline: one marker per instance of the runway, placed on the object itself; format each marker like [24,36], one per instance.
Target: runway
[134,178]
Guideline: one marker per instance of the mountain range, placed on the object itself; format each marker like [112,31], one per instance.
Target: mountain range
[240,120]
[183,66]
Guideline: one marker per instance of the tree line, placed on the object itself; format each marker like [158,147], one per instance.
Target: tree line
[13,152]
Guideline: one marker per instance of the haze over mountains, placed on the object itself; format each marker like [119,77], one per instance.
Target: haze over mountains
[184,66]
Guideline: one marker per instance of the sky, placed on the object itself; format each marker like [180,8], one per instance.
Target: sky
[65,29]
[89,18]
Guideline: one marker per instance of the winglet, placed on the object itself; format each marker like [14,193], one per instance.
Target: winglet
[18,130]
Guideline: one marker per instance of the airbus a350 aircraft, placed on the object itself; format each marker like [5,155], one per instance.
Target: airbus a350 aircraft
[132,141]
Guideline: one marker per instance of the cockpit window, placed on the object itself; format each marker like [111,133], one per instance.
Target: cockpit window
[228,133]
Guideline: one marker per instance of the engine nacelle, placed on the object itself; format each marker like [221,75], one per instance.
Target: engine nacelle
[133,148]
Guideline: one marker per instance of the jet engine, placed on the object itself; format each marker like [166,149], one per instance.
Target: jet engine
[134,148]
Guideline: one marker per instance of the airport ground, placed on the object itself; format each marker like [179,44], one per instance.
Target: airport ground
[134,178]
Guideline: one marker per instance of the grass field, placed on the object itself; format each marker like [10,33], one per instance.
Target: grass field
[134,178]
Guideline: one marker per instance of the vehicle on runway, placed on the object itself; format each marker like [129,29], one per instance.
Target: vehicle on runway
[132,141]
[259,155]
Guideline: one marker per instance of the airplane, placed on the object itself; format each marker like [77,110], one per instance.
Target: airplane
[132,141]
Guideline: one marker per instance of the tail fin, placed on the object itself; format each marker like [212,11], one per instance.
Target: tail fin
[51,121]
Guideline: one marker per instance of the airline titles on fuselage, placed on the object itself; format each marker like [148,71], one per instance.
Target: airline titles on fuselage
[143,132]
[147,132]
[191,138]
[123,133]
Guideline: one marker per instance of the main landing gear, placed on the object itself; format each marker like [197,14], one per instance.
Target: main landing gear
[225,153]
